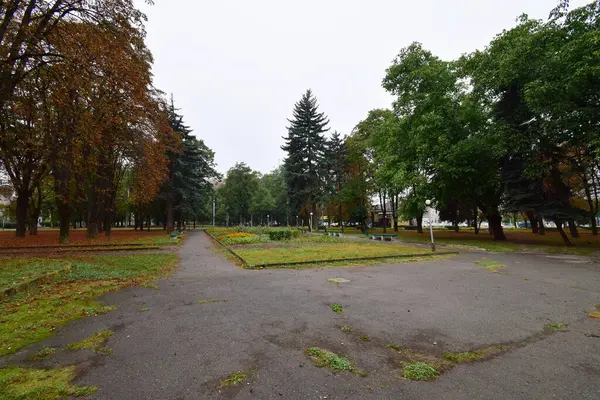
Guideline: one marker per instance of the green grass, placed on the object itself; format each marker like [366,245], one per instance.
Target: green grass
[233,380]
[17,270]
[337,308]
[364,338]
[28,318]
[144,309]
[44,353]
[468,356]
[555,326]
[330,250]
[419,371]
[594,314]
[490,265]
[346,329]
[94,342]
[40,384]
[323,358]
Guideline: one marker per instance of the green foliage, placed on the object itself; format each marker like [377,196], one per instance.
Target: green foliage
[337,308]
[555,326]
[327,359]
[45,352]
[419,371]
[233,380]
[94,342]
[283,234]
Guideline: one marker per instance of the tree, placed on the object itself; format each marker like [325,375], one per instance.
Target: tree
[240,186]
[336,166]
[305,145]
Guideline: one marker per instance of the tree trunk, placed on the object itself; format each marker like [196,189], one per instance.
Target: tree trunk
[541,227]
[594,226]
[108,220]
[22,206]
[315,225]
[420,224]
[340,217]
[475,225]
[495,222]
[385,223]
[563,235]
[170,221]
[533,221]
[34,212]
[573,229]
[455,226]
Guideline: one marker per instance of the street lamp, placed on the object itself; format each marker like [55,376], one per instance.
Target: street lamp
[428,204]
[311,221]
[267,219]
[296,221]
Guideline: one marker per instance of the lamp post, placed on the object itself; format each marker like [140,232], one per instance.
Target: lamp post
[311,221]
[296,221]
[428,204]
[214,209]
[267,220]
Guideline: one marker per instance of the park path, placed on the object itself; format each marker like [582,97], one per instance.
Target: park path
[181,349]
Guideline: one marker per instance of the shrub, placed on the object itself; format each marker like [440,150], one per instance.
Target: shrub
[283,234]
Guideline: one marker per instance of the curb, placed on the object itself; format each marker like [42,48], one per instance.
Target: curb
[244,262]
[27,285]
[437,253]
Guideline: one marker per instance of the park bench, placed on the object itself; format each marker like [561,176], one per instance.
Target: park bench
[383,236]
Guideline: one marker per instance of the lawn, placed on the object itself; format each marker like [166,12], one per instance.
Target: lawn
[49,237]
[517,240]
[309,251]
[257,248]
[27,318]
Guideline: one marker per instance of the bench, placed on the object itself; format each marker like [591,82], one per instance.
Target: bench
[383,236]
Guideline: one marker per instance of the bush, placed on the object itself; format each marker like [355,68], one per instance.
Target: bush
[283,234]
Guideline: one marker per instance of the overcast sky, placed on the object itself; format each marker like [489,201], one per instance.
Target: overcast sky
[236,67]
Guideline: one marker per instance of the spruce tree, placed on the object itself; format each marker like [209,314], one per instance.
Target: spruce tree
[304,165]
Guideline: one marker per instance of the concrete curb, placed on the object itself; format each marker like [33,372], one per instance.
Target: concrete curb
[32,284]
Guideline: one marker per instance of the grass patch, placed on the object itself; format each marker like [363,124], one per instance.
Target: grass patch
[466,357]
[44,353]
[28,318]
[419,371]
[364,338]
[592,335]
[233,380]
[598,307]
[337,308]
[323,358]
[299,251]
[144,309]
[150,285]
[337,281]
[17,270]
[211,301]
[40,384]
[94,342]
[490,265]
[594,314]
[346,329]
[555,326]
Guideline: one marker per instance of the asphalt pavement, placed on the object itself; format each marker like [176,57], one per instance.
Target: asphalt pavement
[182,348]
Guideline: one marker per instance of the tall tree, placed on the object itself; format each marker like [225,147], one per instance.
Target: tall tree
[305,145]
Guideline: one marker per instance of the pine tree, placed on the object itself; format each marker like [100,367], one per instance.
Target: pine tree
[335,177]
[305,146]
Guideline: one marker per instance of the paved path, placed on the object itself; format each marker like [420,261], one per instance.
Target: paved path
[181,349]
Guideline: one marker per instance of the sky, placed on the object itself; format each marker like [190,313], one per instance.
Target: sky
[237,67]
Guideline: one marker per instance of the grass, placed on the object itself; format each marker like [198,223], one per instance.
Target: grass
[144,309]
[94,342]
[419,371]
[331,250]
[364,338]
[594,314]
[44,353]
[466,357]
[233,380]
[29,318]
[40,384]
[346,329]
[211,301]
[323,358]
[337,308]
[490,265]
[555,326]
[17,270]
